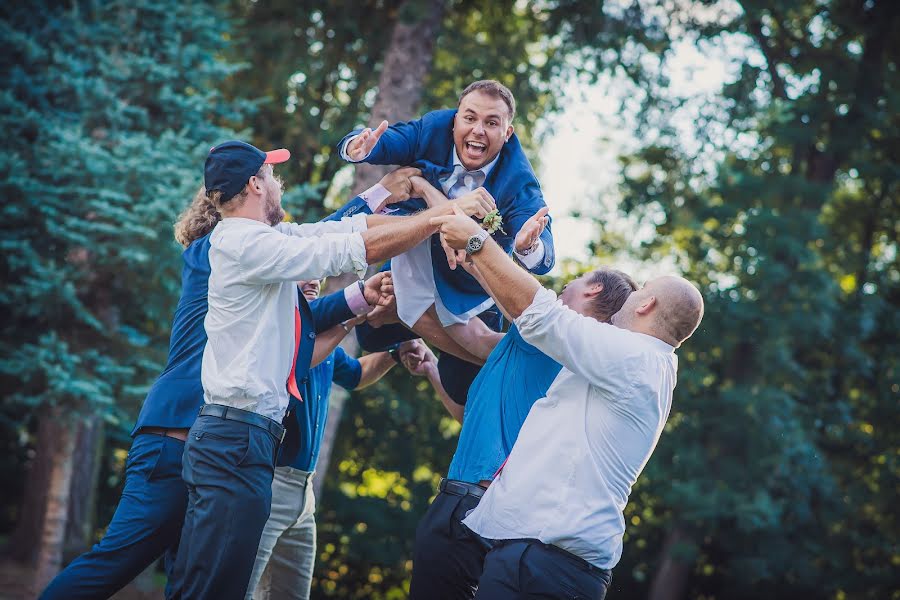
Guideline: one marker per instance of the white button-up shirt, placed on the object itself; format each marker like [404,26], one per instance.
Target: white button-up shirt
[252,299]
[583,446]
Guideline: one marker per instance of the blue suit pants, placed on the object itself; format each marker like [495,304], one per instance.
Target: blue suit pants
[228,468]
[520,569]
[146,524]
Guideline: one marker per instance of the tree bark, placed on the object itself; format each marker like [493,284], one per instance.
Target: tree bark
[671,578]
[407,62]
[23,543]
[57,442]
[83,493]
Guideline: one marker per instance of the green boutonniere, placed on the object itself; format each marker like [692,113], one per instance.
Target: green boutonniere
[493,222]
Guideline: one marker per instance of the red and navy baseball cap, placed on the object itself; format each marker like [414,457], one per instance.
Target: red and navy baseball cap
[230,165]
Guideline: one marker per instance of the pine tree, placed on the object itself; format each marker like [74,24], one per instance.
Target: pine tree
[108,109]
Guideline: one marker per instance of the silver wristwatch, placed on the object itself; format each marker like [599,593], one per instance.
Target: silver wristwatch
[476,242]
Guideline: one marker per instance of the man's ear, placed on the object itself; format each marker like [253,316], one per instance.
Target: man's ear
[647,306]
[592,291]
[509,132]
[255,185]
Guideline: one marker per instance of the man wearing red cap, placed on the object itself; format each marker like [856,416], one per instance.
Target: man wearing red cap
[253,332]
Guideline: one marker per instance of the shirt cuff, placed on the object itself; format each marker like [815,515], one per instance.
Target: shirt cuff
[375,197]
[344,154]
[533,259]
[356,300]
[358,223]
[358,254]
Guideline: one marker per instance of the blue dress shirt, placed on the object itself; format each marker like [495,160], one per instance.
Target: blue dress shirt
[309,416]
[515,376]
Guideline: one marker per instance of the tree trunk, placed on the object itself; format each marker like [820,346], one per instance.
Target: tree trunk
[83,493]
[671,578]
[56,441]
[407,62]
[23,543]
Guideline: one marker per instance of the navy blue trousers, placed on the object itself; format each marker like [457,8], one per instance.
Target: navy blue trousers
[228,469]
[519,569]
[447,557]
[146,524]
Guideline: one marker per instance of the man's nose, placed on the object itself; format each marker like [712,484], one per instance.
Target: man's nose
[479,128]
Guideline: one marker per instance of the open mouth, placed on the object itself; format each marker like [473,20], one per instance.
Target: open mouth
[476,149]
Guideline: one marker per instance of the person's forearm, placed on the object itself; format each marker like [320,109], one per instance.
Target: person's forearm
[487,288]
[512,287]
[389,236]
[374,367]
[326,342]
[456,410]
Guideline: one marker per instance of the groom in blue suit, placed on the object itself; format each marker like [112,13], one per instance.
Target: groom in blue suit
[459,151]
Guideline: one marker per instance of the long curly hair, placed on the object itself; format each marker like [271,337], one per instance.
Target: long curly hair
[196,220]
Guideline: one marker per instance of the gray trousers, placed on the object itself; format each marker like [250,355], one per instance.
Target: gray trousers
[287,548]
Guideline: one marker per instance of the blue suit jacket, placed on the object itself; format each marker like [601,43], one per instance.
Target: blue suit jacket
[427,143]
[175,398]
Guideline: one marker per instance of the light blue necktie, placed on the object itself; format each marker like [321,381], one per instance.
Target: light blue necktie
[466,181]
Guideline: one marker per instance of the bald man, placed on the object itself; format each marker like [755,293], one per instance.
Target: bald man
[553,516]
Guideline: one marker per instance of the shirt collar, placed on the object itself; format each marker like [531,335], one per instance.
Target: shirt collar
[657,343]
[486,169]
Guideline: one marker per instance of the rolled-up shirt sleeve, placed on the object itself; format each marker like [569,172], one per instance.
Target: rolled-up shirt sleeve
[581,344]
[269,256]
[355,224]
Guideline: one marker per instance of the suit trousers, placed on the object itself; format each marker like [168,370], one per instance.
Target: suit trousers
[146,524]
[287,549]
[228,467]
[447,557]
[520,569]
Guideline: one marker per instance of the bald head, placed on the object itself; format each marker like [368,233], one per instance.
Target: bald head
[669,308]
[680,307]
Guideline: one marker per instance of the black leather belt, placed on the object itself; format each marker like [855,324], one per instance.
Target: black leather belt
[462,488]
[230,413]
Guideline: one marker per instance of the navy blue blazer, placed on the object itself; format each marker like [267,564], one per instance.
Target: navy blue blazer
[176,397]
[427,143]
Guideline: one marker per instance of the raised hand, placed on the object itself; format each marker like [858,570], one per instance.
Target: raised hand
[454,257]
[384,314]
[417,357]
[398,183]
[456,229]
[477,203]
[360,146]
[422,189]
[532,229]
[379,289]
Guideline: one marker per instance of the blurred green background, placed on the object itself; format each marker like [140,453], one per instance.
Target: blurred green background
[776,190]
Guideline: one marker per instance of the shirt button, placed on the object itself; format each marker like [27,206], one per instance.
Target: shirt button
[311,335]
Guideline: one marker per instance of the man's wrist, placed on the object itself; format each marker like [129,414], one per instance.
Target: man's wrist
[375,197]
[395,354]
[531,257]
[355,296]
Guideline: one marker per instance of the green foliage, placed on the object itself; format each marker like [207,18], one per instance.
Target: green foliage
[779,450]
[393,445]
[109,109]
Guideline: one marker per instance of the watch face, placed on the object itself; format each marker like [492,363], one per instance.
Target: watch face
[474,244]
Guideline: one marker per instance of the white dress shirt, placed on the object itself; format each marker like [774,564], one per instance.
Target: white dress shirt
[582,447]
[252,300]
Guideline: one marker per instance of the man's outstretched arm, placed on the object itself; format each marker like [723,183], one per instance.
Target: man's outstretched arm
[511,286]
